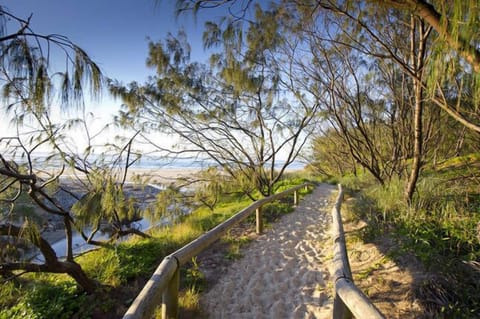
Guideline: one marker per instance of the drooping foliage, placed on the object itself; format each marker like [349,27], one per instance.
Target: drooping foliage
[30,82]
[33,88]
[236,111]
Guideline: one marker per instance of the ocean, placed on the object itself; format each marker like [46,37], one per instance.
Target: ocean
[44,160]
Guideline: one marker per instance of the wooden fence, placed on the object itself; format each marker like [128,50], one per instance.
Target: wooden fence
[162,288]
[349,300]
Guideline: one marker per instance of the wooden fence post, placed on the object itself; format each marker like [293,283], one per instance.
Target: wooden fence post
[295,198]
[340,310]
[258,214]
[170,296]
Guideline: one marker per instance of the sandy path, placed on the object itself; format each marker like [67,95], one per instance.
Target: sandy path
[281,274]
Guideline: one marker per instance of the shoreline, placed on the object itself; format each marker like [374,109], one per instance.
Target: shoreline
[160,175]
[155,177]
[163,175]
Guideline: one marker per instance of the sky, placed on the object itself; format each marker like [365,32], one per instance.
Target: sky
[114,33]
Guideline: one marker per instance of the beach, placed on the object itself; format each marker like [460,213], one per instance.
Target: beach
[163,176]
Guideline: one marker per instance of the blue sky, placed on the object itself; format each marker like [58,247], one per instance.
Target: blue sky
[113,32]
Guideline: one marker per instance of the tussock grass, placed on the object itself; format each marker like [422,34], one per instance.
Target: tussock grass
[440,227]
[189,300]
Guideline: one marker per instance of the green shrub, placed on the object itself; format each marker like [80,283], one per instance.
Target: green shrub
[46,300]
[439,227]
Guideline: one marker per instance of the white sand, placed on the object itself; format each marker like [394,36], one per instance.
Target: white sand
[163,175]
[158,176]
[283,273]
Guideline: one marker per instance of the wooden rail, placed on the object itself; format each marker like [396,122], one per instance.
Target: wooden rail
[162,288]
[349,300]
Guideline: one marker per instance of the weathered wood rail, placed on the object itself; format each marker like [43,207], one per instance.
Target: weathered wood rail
[162,287]
[349,300]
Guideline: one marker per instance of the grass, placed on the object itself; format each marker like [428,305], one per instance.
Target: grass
[51,300]
[441,228]
[460,161]
[234,245]
[364,274]
[122,271]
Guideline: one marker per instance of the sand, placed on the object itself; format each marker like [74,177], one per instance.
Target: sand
[283,273]
[163,176]
[158,176]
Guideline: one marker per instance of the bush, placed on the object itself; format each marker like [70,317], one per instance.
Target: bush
[47,300]
[440,228]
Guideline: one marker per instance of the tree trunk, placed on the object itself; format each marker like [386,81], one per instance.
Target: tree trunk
[52,264]
[69,237]
[418,57]
[418,144]
[76,272]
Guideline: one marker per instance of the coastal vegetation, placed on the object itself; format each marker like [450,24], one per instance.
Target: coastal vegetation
[398,86]
[382,96]
[121,270]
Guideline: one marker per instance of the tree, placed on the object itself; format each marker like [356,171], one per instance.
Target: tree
[236,112]
[106,201]
[25,77]
[330,156]
[29,90]
[369,35]
[212,184]
[455,24]
[458,30]
[418,50]
[16,179]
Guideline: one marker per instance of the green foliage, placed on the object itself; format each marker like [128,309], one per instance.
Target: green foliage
[212,184]
[389,198]
[168,203]
[275,210]
[103,266]
[192,278]
[8,293]
[234,245]
[205,224]
[106,201]
[288,182]
[356,182]
[237,111]
[141,257]
[440,228]
[189,301]
[50,300]
[27,81]
[460,161]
